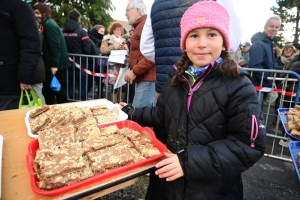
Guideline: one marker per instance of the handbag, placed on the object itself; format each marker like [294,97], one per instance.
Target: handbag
[31,100]
[55,85]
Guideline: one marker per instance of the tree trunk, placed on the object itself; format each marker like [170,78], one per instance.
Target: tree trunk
[296,39]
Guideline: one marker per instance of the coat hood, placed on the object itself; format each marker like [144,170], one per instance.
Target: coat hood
[70,26]
[261,36]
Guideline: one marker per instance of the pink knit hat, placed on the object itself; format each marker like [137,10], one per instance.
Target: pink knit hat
[205,14]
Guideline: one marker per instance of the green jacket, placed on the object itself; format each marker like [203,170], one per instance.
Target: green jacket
[55,52]
[246,57]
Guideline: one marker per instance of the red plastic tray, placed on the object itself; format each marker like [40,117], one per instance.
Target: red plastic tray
[34,146]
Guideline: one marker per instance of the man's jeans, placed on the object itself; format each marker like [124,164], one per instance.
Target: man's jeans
[80,83]
[144,94]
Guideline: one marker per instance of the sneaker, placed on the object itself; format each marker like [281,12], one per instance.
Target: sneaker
[283,143]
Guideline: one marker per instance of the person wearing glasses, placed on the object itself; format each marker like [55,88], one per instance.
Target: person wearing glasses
[114,40]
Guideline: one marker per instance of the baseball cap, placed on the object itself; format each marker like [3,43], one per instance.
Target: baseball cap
[246,44]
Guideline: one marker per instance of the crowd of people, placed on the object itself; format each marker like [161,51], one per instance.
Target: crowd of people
[183,82]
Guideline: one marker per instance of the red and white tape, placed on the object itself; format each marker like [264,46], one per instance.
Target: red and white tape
[92,73]
[266,89]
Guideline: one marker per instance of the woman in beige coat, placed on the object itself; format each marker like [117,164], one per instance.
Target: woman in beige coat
[114,41]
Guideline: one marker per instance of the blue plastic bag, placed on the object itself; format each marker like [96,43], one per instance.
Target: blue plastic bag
[55,85]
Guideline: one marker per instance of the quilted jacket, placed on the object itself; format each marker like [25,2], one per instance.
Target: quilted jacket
[165,18]
[141,66]
[214,134]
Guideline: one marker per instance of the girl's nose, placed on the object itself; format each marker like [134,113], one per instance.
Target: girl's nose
[202,42]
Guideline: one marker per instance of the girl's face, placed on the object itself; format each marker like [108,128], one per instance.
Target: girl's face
[204,45]
[117,32]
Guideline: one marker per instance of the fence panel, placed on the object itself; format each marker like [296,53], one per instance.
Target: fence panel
[285,86]
[92,77]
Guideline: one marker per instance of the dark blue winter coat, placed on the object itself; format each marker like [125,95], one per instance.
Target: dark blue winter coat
[165,18]
[77,41]
[262,57]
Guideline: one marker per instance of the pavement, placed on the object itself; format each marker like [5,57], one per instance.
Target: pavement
[272,178]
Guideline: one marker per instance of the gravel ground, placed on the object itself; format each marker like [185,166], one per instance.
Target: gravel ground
[268,179]
[136,191]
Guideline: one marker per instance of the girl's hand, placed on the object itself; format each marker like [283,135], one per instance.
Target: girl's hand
[170,168]
[122,104]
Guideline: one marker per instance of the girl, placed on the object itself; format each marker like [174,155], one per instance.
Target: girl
[208,115]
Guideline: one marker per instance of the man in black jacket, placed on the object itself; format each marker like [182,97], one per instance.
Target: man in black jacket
[20,51]
[78,42]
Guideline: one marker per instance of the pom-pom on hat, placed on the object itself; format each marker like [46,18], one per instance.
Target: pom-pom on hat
[205,14]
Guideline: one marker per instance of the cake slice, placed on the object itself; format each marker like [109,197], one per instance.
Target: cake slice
[38,111]
[39,123]
[129,133]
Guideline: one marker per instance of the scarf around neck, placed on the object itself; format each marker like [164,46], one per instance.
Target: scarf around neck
[286,60]
[116,38]
[197,72]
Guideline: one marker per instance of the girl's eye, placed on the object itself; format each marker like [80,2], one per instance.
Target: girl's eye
[212,35]
[193,35]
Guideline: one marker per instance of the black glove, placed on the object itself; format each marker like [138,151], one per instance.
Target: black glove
[128,109]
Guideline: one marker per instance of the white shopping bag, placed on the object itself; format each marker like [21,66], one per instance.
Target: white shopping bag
[120,80]
[118,56]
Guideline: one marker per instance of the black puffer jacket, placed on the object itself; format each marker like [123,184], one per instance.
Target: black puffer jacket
[215,136]
[77,40]
[20,47]
[96,37]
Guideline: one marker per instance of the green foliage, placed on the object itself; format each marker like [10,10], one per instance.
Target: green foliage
[288,10]
[92,11]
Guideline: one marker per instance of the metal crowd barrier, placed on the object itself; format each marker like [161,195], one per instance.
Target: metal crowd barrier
[288,91]
[90,77]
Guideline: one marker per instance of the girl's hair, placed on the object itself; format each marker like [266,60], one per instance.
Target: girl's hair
[113,26]
[139,4]
[228,66]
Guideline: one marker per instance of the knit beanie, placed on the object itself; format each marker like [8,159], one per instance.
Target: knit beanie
[43,8]
[205,14]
